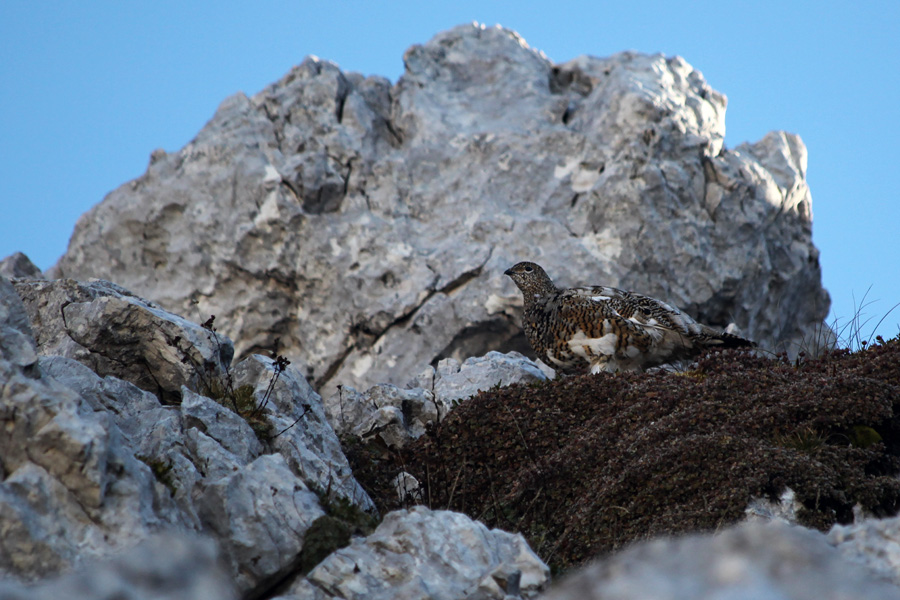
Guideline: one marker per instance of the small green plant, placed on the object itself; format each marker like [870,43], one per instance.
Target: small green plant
[333,530]
[338,507]
[243,402]
[162,470]
[325,535]
[242,399]
[863,436]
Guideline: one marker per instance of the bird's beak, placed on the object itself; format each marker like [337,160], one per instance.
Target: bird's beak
[508,272]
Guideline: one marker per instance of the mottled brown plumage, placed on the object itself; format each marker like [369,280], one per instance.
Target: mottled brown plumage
[601,328]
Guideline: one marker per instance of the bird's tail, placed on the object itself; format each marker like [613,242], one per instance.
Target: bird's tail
[716,338]
[729,340]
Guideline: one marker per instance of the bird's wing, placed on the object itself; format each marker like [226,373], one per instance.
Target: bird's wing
[596,316]
[642,310]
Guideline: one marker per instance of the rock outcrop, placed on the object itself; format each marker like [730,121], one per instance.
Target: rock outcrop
[142,498]
[361,228]
[749,561]
[874,543]
[19,265]
[422,554]
[396,416]
[92,463]
[113,332]
[220,499]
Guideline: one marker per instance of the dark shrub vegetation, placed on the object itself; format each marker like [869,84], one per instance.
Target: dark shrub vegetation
[586,464]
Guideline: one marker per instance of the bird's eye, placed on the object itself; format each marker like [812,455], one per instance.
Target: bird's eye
[528,269]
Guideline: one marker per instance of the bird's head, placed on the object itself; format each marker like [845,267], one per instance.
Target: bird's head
[530,278]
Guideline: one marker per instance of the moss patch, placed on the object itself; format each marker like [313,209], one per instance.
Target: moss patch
[333,530]
[324,536]
[162,470]
[584,465]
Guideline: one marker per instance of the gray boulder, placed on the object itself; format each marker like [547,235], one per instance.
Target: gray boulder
[165,567]
[454,381]
[19,265]
[211,464]
[71,486]
[226,428]
[362,229]
[393,415]
[302,433]
[754,560]
[427,555]
[17,343]
[116,333]
[874,543]
[785,509]
[397,416]
[259,515]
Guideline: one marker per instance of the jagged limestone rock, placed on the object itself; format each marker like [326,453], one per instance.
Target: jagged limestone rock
[259,515]
[362,229]
[91,464]
[424,554]
[397,416]
[114,332]
[785,509]
[229,430]
[454,381]
[71,486]
[300,430]
[19,265]
[16,337]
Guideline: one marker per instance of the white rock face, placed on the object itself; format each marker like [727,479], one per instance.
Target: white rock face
[70,486]
[394,416]
[784,510]
[259,514]
[428,555]
[92,465]
[752,560]
[302,432]
[365,227]
[17,343]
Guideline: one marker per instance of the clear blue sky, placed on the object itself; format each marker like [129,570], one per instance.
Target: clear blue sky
[89,89]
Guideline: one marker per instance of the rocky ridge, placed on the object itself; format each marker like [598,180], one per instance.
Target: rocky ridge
[362,228]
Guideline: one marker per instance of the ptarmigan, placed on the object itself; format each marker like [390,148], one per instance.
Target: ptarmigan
[607,329]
